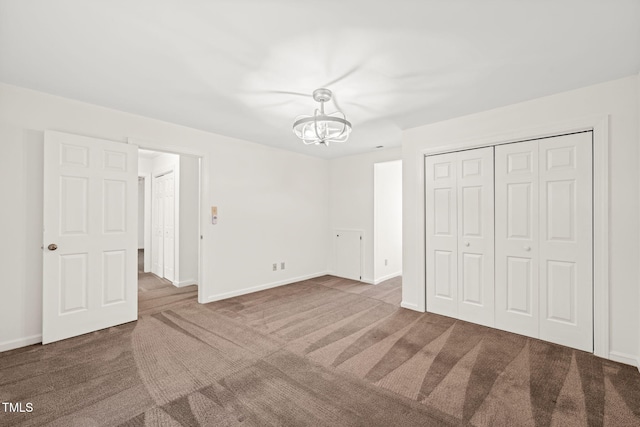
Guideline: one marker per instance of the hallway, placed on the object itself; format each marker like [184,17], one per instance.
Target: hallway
[156,294]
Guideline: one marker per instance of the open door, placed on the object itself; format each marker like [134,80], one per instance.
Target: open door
[89,237]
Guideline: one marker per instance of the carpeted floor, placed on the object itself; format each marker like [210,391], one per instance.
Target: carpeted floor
[323,352]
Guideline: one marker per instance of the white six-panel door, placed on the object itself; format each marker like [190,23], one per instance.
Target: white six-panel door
[459,229]
[89,237]
[157,230]
[544,283]
[517,243]
[163,219]
[442,234]
[566,240]
[168,224]
[476,236]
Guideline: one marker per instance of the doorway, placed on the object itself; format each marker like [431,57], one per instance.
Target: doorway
[168,220]
[387,220]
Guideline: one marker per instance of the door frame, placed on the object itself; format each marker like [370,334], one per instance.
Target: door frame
[599,125]
[147,220]
[204,188]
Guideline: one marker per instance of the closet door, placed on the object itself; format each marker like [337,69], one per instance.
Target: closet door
[169,209]
[460,235]
[566,240]
[157,234]
[544,240]
[441,226]
[475,236]
[517,248]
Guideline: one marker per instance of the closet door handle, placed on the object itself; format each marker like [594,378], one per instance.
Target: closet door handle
[527,248]
[467,243]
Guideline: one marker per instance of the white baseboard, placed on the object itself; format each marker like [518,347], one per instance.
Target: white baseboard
[372,281]
[627,359]
[363,280]
[20,342]
[182,283]
[409,306]
[225,295]
[387,277]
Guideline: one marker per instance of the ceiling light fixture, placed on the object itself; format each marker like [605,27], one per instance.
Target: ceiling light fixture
[322,128]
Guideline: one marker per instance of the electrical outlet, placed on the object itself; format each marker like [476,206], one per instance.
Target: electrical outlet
[282,265]
[275,266]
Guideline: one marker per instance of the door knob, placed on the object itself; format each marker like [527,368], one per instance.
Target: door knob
[527,248]
[52,247]
[467,243]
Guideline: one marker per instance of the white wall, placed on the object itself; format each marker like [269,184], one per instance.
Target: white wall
[619,100]
[351,200]
[273,204]
[145,166]
[140,213]
[165,162]
[387,220]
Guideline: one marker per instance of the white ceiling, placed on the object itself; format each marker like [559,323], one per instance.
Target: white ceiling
[229,66]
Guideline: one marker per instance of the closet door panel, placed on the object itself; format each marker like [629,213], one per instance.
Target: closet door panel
[441,234]
[566,240]
[476,236]
[169,226]
[157,231]
[516,255]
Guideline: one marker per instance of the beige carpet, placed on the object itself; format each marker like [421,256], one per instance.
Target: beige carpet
[326,351]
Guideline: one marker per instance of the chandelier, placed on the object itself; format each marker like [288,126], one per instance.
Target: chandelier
[322,128]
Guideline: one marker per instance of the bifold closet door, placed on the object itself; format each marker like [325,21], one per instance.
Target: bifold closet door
[163,220]
[517,247]
[544,240]
[157,232]
[460,235]
[169,226]
[566,240]
[442,234]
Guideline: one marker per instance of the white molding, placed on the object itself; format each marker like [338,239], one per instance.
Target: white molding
[627,359]
[536,132]
[387,277]
[20,342]
[599,124]
[165,148]
[225,295]
[410,306]
[601,287]
[363,280]
[184,283]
